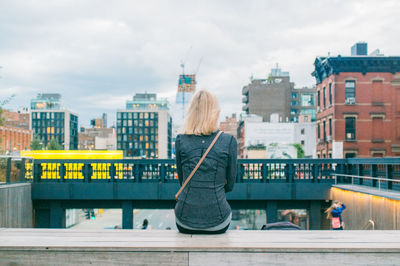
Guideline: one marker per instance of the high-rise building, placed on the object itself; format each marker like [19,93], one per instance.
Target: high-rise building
[144,128]
[50,120]
[358,105]
[278,95]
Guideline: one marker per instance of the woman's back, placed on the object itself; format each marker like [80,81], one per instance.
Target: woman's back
[202,204]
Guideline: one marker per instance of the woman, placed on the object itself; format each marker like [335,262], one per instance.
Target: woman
[202,207]
[334,213]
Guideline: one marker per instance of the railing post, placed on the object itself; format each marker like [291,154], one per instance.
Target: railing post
[112,172]
[61,171]
[8,170]
[264,172]
[372,171]
[162,173]
[315,172]
[359,173]
[22,171]
[389,175]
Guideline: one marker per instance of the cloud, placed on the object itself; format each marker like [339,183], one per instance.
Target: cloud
[99,53]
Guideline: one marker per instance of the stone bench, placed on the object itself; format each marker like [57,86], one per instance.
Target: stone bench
[156,247]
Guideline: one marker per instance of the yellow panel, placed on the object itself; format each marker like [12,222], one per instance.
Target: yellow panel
[73,154]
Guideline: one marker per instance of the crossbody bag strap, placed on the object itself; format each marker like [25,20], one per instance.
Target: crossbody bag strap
[198,164]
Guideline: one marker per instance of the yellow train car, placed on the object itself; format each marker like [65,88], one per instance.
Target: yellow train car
[73,170]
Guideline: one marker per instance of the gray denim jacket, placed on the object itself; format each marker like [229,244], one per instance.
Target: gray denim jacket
[202,204]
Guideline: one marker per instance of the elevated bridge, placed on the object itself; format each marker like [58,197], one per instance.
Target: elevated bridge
[269,184]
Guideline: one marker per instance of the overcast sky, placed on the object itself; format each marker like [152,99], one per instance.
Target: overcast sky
[97,54]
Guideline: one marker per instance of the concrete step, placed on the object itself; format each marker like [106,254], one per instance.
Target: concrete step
[161,247]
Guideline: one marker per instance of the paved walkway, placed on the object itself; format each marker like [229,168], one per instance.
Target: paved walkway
[161,247]
[390,194]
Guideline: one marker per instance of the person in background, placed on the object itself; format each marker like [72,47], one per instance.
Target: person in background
[334,212]
[145,225]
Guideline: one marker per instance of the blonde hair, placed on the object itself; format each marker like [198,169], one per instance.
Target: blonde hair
[329,210]
[202,115]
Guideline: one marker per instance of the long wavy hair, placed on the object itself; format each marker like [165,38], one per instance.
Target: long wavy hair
[329,210]
[202,115]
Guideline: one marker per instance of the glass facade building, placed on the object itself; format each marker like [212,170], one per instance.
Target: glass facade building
[144,129]
[49,121]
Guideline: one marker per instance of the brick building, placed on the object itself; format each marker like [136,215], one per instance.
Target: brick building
[358,105]
[14,139]
[230,125]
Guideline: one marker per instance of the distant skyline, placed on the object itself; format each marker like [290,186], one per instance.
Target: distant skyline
[98,54]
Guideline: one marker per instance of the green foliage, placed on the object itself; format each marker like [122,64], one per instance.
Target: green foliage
[300,150]
[257,147]
[1,117]
[54,145]
[36,143]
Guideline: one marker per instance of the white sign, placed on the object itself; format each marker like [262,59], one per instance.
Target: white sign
[337,149]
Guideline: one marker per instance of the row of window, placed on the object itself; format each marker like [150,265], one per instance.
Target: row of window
[350,129]
[137,123]
[324,96]
[48,115]
[137,115]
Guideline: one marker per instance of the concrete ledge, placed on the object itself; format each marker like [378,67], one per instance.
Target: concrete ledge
[135,247]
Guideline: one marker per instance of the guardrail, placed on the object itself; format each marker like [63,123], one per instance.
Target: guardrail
[164,170]
[14,169]
[376,172]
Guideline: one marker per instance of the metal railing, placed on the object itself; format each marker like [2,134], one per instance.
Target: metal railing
[164,170]
[13,169]
[379,179]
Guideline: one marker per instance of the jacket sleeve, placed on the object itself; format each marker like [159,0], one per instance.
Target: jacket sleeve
[178,159]
[337,211]
[232,165]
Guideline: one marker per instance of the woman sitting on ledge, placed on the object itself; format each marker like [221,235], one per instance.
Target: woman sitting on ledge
[202,207]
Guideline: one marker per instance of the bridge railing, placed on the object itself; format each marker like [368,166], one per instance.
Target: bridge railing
[382,173]
[14,169]
[164,170]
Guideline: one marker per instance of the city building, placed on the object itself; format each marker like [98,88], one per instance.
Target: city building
[255,136]
[144,128]
[230,125]
[278,95]
[358,104]
[97,139]
[99,122]
[19,119]
[14,139]
[50,120]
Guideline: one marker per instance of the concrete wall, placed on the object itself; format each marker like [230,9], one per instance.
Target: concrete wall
[361,208]
[16,206]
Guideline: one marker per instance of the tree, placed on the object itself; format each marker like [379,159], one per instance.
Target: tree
[36,143]
[300,150]
[54,145]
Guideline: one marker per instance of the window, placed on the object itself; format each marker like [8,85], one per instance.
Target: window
[325,130]
[302,131]
[318,131]
[330,126]
[350,155]
[330,93]
[350,86]
[350,128]
[302,142]
[294,95]
[324,96]
[319,99]
[294,103]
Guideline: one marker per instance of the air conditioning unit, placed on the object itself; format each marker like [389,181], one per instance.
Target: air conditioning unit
[329,138]
[350,100]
